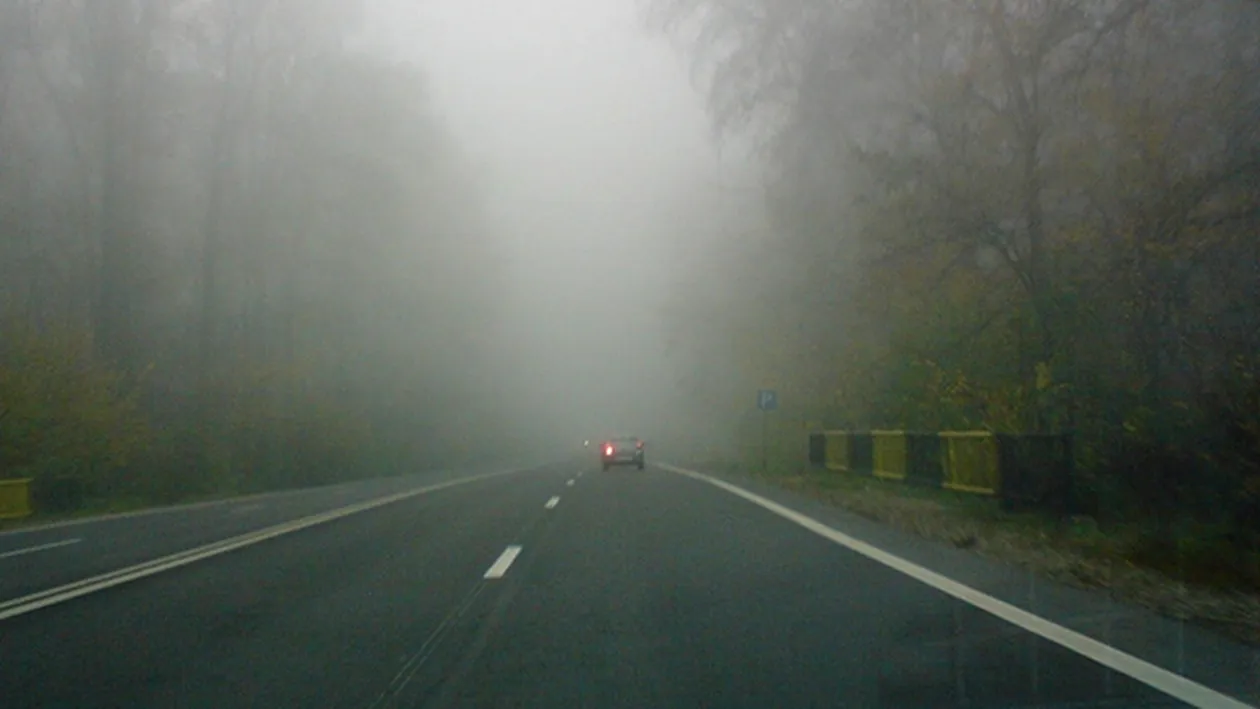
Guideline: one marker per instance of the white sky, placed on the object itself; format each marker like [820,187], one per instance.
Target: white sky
[592,147]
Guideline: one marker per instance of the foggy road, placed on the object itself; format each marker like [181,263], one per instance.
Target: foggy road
[303,247]
[560,586]
[43,557]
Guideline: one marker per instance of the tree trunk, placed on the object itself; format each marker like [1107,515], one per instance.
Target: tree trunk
[210,333]
[112,308]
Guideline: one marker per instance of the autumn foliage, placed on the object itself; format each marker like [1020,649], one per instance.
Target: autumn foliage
[235,255]
[1032,215]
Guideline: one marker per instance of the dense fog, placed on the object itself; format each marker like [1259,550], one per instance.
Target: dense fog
[600,177]
[258,243]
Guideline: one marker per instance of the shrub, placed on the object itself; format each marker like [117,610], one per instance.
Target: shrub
[64,415]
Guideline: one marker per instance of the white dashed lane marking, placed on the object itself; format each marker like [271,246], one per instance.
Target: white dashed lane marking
[503,563]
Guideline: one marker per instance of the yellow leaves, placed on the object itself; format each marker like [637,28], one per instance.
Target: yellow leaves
[954,398]
[1244,369]
[1044,377]
[1251,485]
[1077,235]
[60,406]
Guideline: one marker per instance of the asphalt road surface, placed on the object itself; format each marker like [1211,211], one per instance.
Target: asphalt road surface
[560,586]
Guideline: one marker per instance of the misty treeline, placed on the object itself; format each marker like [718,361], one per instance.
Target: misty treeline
[236,253]
[1023,215]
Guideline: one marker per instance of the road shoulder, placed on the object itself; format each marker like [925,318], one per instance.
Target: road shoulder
[1193,652]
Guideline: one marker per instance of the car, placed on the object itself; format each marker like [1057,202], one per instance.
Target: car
[622,450]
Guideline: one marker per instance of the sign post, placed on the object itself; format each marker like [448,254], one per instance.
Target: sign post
[767,401]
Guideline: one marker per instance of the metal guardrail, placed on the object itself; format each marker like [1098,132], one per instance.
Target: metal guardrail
[1032,470]
[889,453]
[836,450]
[970,461]
[15,498]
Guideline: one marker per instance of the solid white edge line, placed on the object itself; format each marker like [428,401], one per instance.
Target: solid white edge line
[41,547]
[1170,683]
[503,563]
[551,504]
[41,599]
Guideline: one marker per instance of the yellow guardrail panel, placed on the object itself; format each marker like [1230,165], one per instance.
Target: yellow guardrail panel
[15,498]
[888,453]
[836,450]
[970,461]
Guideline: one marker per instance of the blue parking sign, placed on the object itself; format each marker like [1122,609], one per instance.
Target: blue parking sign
[767,399]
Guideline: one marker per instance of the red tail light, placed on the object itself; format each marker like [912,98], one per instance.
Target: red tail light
[608,449]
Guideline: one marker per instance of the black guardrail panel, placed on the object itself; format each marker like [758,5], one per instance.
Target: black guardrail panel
[861,452]
[1036,472]
[817,449]
[923,459]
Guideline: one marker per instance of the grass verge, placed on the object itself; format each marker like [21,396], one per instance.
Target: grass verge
[1077,553]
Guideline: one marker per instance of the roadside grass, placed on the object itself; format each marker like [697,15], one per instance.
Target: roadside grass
[1202,581]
